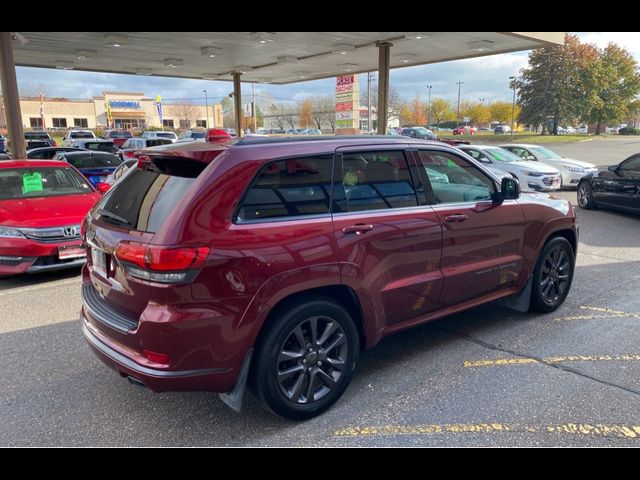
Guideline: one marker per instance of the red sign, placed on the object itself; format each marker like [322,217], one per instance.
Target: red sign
[344,88]
[342,106]
[344,80]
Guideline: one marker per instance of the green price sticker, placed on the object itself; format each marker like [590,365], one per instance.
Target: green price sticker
[31,182]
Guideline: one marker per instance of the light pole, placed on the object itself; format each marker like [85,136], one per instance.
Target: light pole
[513,104]
[458,108]
[206,108]
[429,108]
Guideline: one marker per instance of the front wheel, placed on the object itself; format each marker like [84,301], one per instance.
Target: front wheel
[585,196]
[553,275]
[305,360]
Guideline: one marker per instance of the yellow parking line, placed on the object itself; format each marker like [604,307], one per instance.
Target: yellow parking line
[605,313]
[627,357]
[585,429]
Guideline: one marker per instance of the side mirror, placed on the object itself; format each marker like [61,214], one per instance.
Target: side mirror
[103,187]
[509,188]
[613,168]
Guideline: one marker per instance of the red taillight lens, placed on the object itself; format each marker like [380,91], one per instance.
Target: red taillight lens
[54,143]
[129,154]
[161,258]
[156,357]
[162,263]
[103,187]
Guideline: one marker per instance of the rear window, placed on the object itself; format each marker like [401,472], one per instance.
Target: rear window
[93,161]
[36,135]
[101,146]
[144,199]
[289,188]
[197,134]
[81,135]
[154,142]
[166,134]
[32,182]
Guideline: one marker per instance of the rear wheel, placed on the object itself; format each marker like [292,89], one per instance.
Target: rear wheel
[585,196]
[305,360]
[553,275]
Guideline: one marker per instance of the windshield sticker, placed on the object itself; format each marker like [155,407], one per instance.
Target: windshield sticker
[31,182]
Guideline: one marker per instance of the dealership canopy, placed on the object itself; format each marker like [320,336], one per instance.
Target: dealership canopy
[262,57]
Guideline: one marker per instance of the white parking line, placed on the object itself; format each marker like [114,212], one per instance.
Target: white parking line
[40,287]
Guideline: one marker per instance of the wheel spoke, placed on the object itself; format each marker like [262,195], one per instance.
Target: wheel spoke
[328,331]
[326,379]
[338,341]
[300,337]
[336,363]
[286,356]
[546,289]
[284,374]
[313,324]
[560,258]
[311,385]
[296,390]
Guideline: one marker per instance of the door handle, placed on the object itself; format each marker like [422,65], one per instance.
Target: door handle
[456,217]
[357,229]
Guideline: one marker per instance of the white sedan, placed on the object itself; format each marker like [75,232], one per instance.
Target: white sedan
[571,170]
[531,175]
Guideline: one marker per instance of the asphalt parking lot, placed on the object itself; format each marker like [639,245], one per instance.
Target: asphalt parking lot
[486,377]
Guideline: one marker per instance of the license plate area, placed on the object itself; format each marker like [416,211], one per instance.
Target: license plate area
[99,260]
[67,252]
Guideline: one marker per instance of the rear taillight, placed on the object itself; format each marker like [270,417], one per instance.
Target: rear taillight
[158,263]
[156,357]
[130,154]
[54,143]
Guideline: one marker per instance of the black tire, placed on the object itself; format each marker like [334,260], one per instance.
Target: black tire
[584,194]
[314,378]
[552,276]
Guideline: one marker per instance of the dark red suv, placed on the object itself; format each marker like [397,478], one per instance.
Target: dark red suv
[273,262]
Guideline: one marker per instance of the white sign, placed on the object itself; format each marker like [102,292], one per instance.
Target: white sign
[466,119]
[344,115]
[248,109]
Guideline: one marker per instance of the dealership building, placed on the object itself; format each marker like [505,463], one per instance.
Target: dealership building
[128,110]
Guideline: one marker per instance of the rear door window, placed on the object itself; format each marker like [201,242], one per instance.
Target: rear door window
[288,188]
[375,180]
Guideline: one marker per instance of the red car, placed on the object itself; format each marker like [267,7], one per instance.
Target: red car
[273,262]
[465,130]
[42,203]
[118,136]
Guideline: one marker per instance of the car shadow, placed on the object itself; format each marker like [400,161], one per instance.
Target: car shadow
[28,280]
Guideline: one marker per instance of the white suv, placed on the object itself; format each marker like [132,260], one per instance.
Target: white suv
[160,134]
[73,135]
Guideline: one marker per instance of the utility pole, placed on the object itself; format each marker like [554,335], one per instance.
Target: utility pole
[429,108]
[459,83]
[206,108]
[253,108]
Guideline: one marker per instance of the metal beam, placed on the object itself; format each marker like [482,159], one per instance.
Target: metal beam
[384,54]
[11,97]
[237,100]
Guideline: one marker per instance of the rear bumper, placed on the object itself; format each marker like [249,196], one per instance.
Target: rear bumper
[122,361]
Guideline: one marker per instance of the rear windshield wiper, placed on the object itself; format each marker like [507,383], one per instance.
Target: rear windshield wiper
[113,216]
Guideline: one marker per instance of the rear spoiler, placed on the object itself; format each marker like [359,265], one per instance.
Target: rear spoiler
[186,160]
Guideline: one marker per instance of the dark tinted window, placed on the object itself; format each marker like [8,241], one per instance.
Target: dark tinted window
[41,182]
[631,164]
[101,146]
[154,142]
[375,181]
[36,135]
[81,135]
[93,161]
[144,199]
[289,188]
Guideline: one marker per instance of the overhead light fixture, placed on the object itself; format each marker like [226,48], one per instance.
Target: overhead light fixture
[64,65]
[287,59]
[407,58]
[209,51]
[480,45]
[143,71]
[173,62]
[303,75]
[420,35]
[210,76]
[85,54]
[17,36]
[243,69]
[115,40]
[343,48]
[262,38]
[349,67]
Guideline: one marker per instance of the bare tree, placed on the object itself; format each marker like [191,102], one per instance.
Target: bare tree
[33,90]
[278,112]
[324,110]
[187,113]
[395,100]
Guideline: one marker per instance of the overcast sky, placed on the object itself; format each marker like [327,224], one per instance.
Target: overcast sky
[484,78]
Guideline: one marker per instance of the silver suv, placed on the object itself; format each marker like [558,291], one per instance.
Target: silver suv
[160,134]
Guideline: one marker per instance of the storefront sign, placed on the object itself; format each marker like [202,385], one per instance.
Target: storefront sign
[124,104]
[347,104]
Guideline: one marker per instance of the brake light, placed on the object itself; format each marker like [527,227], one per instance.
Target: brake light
[158,263]
[54,143]
[143,161]
[130,154]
